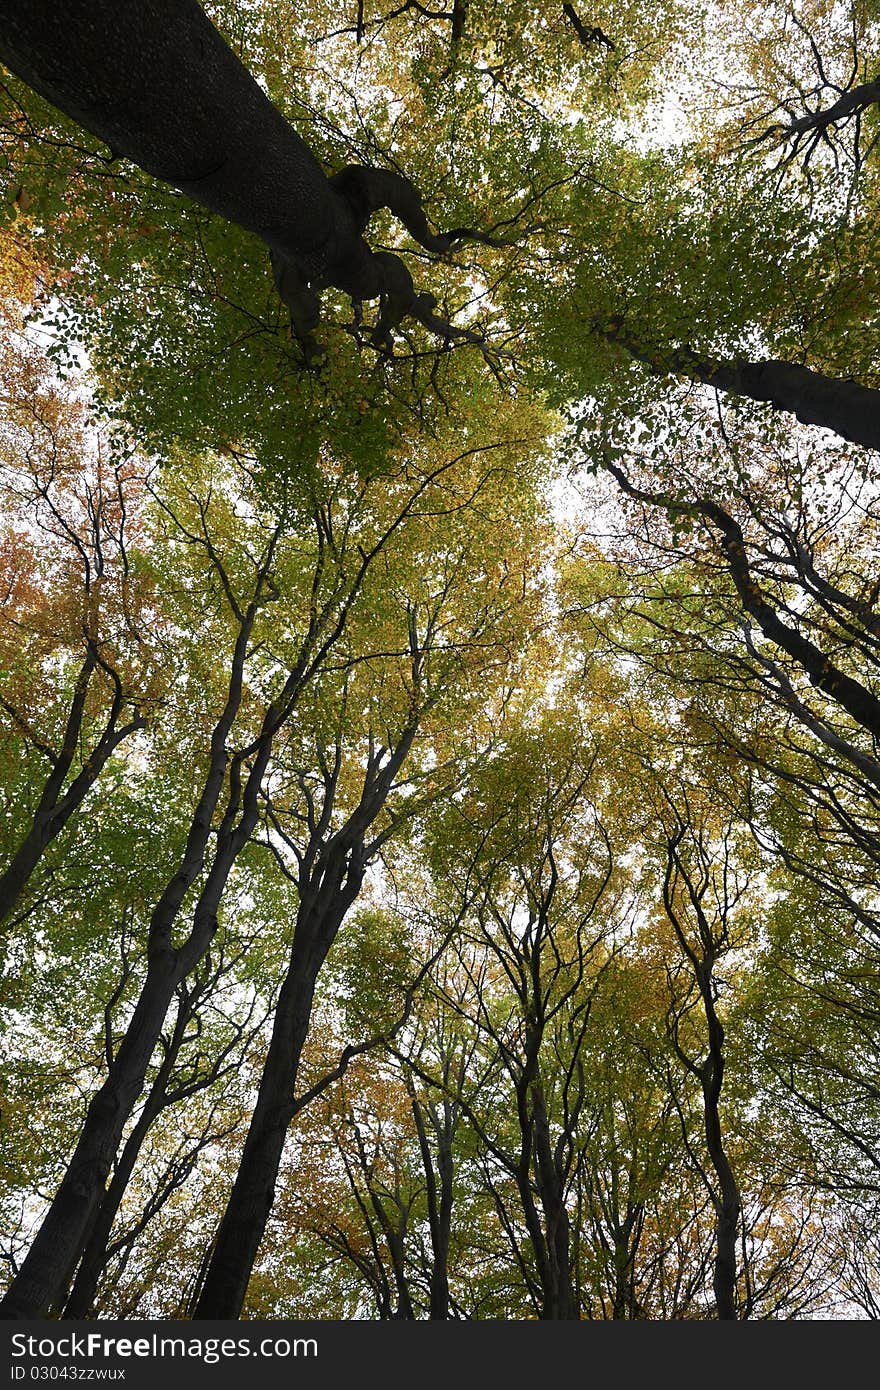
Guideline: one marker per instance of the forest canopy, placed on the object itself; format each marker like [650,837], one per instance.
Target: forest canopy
[440,660]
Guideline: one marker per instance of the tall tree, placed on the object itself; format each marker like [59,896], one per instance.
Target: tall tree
[452,629]
[175,99]
[81,670]
[326,573]
[174,73]
[542,877]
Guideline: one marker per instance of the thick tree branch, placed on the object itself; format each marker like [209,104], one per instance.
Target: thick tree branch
[588,34]
[848,104]
[158,83]
[845,407]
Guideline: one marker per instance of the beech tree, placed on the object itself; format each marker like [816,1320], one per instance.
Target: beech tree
[71,602]
[331,834]
[178,102]
[709,895]
[188,1065]
[310,322]
[538,932]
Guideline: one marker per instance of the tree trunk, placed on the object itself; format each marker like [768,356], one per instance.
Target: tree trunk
[94,1258]
[43,1276]
[439,1193]
[625,1236]
[156,81]
[330,877]
[560,1302]
[727,1200]
[404,1310]
[848,104]
[549,1228]
[845,407]
[250,1202]
[848,409]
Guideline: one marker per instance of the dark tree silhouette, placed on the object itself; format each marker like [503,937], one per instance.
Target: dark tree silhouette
[156,81]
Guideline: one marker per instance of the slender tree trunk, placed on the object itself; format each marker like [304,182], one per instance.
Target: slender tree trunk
[404,1310]
[728,1204]
[250,1202]
[560,1299]
[549,1229]
[703,958]
[439,1189]
[94,1258]
[65,1231]
[42,1278]
[523,1179]
[439,1286]
[42,1281]
[625,1237]
[330,878]
[621,1302]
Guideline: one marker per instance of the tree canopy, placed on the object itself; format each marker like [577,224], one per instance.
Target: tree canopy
[440,659]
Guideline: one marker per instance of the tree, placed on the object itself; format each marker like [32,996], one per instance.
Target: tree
[201,136]
[174,73]
[80,672]
[539,874]
[261,691]
[189,1064]
[759,592]
[706,891]
[282,636]
[445,630]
